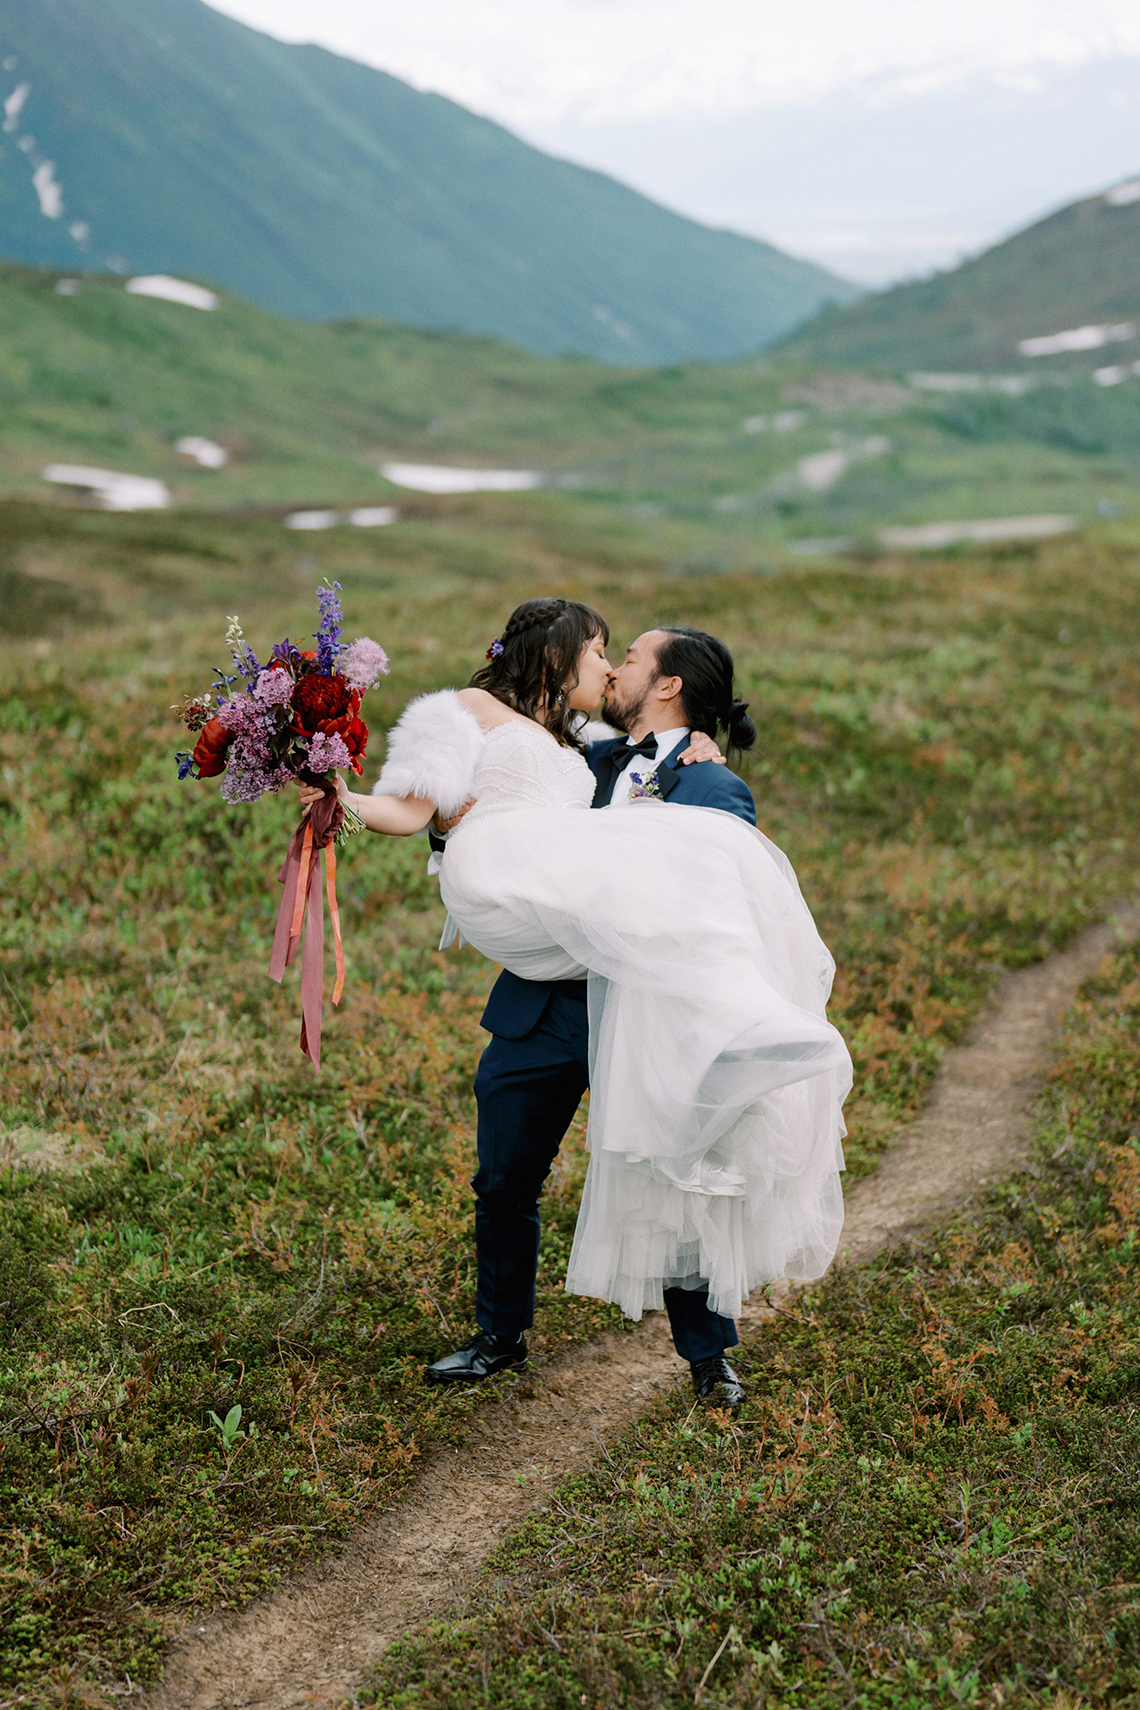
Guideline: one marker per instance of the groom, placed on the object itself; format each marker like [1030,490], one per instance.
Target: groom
[534,1071]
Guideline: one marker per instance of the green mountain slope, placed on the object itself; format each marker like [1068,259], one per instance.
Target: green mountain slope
[1078,267]
[159,136]
[308,411]
[685,459]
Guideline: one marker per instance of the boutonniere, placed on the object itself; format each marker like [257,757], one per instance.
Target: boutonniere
[644,785]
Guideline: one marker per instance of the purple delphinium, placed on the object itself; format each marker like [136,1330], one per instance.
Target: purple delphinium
[331,630]
[362,663]
[326,753]
[274,688]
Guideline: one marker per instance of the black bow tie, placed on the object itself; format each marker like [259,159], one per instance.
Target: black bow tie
[615,761]
[648,747]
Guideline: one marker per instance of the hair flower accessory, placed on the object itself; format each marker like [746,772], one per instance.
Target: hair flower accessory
[494,650]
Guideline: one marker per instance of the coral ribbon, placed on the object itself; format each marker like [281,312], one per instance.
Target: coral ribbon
[301,905]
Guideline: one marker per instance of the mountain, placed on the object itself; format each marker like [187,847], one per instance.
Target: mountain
[1079,267]
[156,136]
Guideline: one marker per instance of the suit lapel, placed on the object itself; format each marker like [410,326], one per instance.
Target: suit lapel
[605,768]
[668,777]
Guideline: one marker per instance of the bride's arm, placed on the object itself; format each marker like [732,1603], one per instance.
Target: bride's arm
[396,816]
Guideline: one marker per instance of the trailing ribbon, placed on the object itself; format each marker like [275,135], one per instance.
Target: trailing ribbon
[301,878]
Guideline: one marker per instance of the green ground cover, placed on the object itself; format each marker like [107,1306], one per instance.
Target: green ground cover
[190,1224]
[930,1498]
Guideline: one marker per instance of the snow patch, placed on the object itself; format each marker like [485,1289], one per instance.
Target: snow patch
[444,478]
[823,468]
[1013,385]
[609,319]
[373,516]
[364,516]
[1077,338]
[311,519]
[172,290]
[933,535]
[14,106]
[1123,194]
[787,421]
[111,490]
[1112,376]
[49,190]
[67,287]
[204,451]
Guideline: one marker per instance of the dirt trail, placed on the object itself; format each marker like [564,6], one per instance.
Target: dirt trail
[311,1641]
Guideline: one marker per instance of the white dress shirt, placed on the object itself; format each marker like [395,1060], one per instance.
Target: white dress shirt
[667,742]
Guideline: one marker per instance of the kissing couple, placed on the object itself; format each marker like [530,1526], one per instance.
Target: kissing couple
[659,952]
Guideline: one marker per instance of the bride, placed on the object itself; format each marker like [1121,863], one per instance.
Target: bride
[716,1081]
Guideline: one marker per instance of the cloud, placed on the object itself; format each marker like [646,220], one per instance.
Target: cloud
[533,61]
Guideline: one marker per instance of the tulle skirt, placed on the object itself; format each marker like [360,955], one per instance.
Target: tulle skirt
[716,1081]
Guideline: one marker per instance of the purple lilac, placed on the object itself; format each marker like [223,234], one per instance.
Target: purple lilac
[331,630]
[362,663]
[251,769]
[274,688]
[326,752]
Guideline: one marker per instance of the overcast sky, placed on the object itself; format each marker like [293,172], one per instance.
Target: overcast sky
[687,99]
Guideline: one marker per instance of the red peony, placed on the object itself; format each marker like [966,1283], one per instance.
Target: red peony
[316,699]
[353,732]
[211,748]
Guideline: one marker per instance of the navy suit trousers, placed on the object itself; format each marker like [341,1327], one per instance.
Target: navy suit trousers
[527,1092]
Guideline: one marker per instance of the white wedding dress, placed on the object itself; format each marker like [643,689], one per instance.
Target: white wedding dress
[716,1082]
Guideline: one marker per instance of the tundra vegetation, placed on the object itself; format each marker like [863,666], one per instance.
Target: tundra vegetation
[220,1277]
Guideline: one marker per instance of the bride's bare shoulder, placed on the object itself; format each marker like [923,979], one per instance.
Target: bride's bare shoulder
[486,708]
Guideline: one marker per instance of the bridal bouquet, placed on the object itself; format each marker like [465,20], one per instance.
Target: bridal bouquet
[295,716]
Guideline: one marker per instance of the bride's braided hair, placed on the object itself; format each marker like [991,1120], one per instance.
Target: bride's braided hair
[536,666]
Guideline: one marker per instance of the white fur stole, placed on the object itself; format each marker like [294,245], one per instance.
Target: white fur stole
[432,752]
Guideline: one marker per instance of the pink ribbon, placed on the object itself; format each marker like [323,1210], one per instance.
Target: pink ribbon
[301,897]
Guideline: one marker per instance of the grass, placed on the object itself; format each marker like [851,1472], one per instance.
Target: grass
[190,1224]
[930,1498]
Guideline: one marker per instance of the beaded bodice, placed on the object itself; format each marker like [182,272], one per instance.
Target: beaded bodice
[521,766]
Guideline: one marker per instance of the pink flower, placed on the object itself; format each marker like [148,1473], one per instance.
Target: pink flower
[274,688]
[362,663]
[326,753]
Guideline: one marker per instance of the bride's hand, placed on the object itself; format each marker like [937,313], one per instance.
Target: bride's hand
[309,793]
[701,747]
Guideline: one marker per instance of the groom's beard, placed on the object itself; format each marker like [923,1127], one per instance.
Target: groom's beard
[620,715]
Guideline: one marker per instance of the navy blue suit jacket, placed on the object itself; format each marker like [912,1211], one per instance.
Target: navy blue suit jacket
[515,1005]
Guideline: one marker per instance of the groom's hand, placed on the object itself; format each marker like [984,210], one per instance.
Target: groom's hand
[442,826]
[701,747]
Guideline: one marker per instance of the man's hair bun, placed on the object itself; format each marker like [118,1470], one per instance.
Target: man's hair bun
[705,668]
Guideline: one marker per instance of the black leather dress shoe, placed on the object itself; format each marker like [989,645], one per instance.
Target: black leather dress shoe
[716,1383]
[480,1358]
